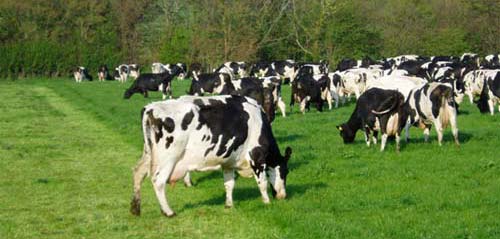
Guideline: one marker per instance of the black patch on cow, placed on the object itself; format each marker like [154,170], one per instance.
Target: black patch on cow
[417,97]
[426,88]
[187,120]
[156,124]
[436,98]
[169,124]
[169,140]
[225,121]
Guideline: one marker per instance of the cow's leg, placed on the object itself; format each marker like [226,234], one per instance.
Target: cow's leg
[329,99]
[336,98]
[303,104]
[407,131]
[453,123]
[384,141]
[367,136]
[159,179]
[145,94]
[229,185]
[398,139]
[262,183]
[375,136]
[471,97]
[140,171]
[282,106]
[491,104]
[439,131]
[187,179]
[427,131]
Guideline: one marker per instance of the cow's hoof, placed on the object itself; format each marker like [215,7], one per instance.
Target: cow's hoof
[135,207]
[167,215]
[228,206]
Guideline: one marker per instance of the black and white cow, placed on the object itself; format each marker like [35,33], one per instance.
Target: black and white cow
[195,68]
[81,73]
[121,73]
[492,61]
[307,88]
[474,81]
[210,83]
[490,94]
[376,110]
[103,73]
[233,68]
[203,133]
[170,68]
[134,70]
[152,82]
[429,104]
[317,68]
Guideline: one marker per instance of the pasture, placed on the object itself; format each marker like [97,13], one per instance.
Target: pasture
[67,151]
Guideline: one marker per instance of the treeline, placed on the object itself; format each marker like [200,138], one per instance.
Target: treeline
[51,37]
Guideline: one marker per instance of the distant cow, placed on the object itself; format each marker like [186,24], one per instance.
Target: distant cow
[474,80]
[103,73]
[121,73]
[432,103]
[159,68]
[200,133]
[309,88]
[152,82]
[233,68]
[211,83]
[492,61]
[490,94]
[81,73]
[376,110]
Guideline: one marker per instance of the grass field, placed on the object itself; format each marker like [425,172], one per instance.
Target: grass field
[67,151]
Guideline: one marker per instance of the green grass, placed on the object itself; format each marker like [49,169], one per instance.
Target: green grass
[67,151]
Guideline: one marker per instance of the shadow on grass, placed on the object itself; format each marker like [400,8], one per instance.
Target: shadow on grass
[252,193]
[288,138]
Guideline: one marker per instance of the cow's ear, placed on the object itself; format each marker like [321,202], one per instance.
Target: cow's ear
[339,127]
[288,153]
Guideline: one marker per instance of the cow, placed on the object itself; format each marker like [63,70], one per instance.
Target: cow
[211,83]
[199,133]
[103,73]
[398,60]
[134,70]
[470,59]
[152,82]
[233,68]
[492,61]
[473,82]
[414,68]
[346,64]
[285,69]
[159,68]
[81,73]
[376,110]
[336,88]
[432,103]
[260,68]
[317,68]
[490,94]
[403,84]
[308,88]
[121,73]
[195,68]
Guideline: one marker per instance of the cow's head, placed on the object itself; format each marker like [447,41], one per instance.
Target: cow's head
[278,174]
[346,133]
[128,93]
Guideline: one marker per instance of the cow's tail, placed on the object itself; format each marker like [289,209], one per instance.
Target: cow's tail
[150,156]
[446,109]
[395,104]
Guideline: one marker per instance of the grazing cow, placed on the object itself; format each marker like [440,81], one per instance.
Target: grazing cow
[134,70]
[195,68]
[157,68]
[121,73]
[490,94]
[492,61]
[233,68]
[152,82]
[81,73]
[470,59]
[336,88]
[473,82]
[211,83]
[376,110]
[432,103]
[103,73]
[200,133]
[403,84]
[310,88]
